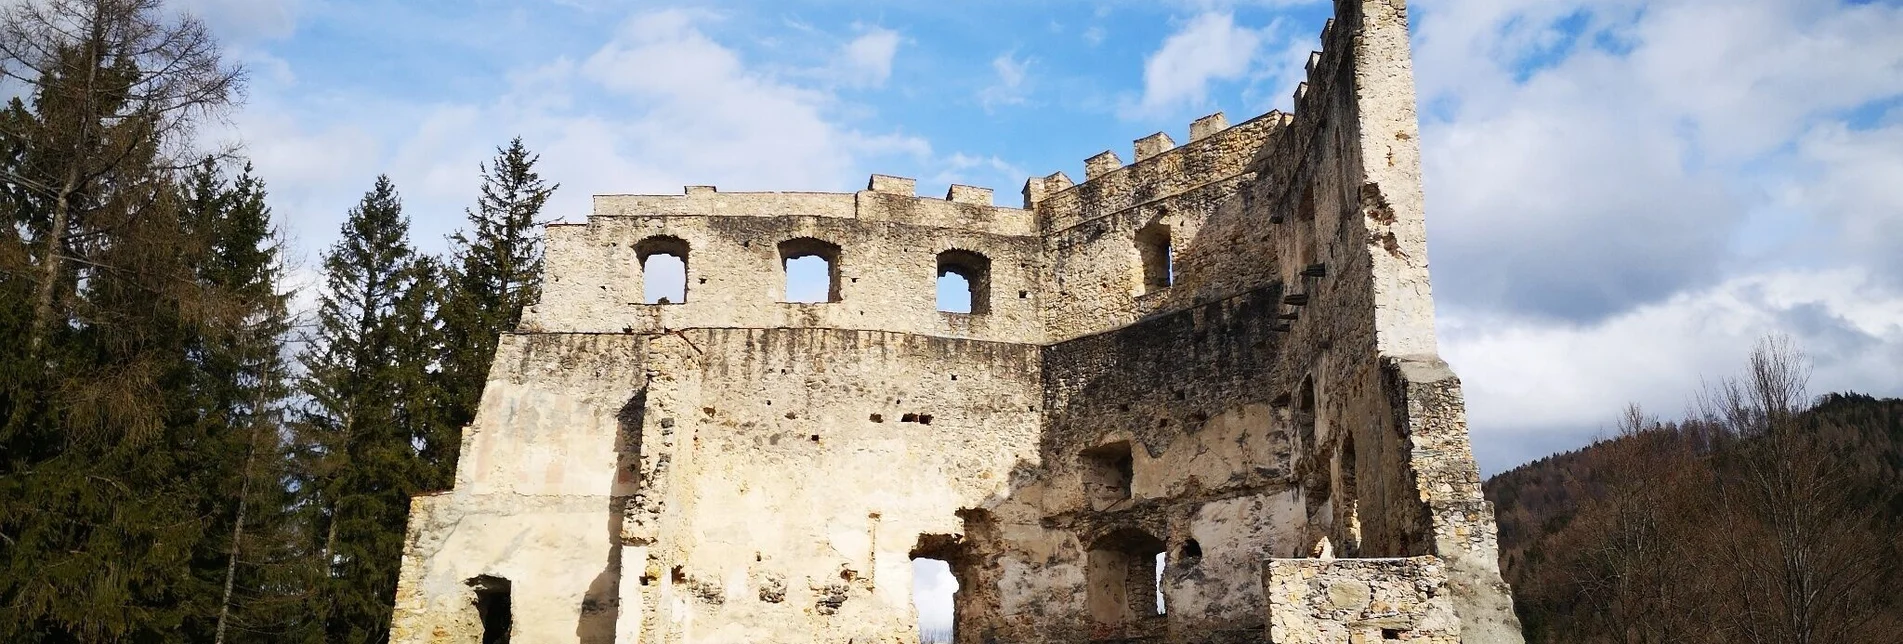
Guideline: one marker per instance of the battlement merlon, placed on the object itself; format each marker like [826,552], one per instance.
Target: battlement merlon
[886,198]
[1216,152]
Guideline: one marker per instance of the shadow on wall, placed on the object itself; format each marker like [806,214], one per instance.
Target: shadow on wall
[601,604]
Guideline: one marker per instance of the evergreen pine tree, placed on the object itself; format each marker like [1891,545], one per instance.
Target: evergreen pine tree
[106,468]
[251,555]
[361,465]
[495,270]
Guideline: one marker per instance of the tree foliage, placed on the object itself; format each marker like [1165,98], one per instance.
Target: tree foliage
[169,470]
[1764,517]
[495,271]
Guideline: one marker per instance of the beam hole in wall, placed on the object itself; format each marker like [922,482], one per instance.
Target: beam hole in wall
[964,282]
[1108,470]
[493,608]
[663,262]
[1156,256]
[812,270]
[1122,575]
[1191,552]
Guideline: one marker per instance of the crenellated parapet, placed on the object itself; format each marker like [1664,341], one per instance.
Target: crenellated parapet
[1162,169]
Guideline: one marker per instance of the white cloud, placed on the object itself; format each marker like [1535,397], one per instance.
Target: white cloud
[1853,180]
[659,105]
[1623,195]
[932,587]
[1009,88]
[1583,158]
[869,57]
[1210,47]
[1533,385]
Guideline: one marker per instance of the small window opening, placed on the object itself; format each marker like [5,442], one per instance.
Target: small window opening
[1107,473]
[492,608]
[663,262]
[812,270]
[933,590]
[1123,577]
[1157,257]
[964,282]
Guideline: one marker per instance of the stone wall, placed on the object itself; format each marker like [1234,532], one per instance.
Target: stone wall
[1221,355]
[1359,601]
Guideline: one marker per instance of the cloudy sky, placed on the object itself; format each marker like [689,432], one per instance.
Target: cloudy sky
[1622,194]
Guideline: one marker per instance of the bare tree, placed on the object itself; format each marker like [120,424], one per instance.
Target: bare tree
[1803,553]
[115,84]
[1629,552]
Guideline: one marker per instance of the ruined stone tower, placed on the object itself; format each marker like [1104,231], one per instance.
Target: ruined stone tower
[1222,352]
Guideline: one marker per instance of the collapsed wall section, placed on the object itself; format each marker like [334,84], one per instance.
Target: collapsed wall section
[1160,445]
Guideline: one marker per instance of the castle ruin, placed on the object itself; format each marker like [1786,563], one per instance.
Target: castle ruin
[1222,353]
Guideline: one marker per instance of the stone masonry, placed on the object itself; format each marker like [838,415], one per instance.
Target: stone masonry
[1222,353]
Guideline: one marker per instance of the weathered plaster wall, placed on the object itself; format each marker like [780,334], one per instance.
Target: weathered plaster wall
[535,496]
[810,464]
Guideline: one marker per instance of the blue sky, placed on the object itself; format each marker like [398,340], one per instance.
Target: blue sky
[1622,194]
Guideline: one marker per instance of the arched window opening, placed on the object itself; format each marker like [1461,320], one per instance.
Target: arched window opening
[663,262]
[937,576]
[1108,470]
[1347,503]
[812,270]
[1123,575]
[492,608]
[933,590]
[1157,257]
[964,282]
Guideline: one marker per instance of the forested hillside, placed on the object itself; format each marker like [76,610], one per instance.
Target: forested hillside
[182,456]
[1767,517]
